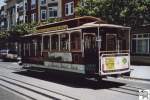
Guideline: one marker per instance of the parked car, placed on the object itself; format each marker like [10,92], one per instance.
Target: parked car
[9,55]
[3,53]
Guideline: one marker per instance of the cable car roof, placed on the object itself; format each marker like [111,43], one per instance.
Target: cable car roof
[95,22]
[102,25]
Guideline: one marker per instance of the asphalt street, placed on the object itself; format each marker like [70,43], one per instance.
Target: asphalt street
[6,94]
[67,87]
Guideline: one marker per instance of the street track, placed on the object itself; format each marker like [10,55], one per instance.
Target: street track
[41,93]
[127,90]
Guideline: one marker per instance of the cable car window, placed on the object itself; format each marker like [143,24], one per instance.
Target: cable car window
[75,41]
[90,41]
[64,41]
[55,42]
[46,42]
[111,42]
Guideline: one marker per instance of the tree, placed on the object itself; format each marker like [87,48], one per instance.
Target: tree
[22,29]
[3,35]
[125,12]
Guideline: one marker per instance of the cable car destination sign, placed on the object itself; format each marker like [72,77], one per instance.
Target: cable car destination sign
[54,28]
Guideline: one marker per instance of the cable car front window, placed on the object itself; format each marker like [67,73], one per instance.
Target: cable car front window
[90,41]
[115,40]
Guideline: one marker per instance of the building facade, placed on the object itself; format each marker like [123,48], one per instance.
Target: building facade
[68,8]
[21,10]
[27,11]
[3,18]
[140,45]
[49,9]
[12,15]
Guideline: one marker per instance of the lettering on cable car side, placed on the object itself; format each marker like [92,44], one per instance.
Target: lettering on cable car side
[64,66]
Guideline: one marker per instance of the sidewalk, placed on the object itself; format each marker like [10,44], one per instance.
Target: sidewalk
[140,72]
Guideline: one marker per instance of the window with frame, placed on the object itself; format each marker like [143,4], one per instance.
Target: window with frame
[54,42]
[89,41]
[111,42]
[64,41]
[43,14]
[33,17]
[46,42]
[69,8]
[26,6]
[142,46]
[13,10]
[26,18]
[83,2]
[75,41]
[2,23]
[33,3]
[53,11]
[38,48]
[141,43]
[21,6]
[43,2]
[21,18]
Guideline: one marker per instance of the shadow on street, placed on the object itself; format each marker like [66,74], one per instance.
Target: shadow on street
[71,80]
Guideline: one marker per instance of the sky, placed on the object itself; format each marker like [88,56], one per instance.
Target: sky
[1,2]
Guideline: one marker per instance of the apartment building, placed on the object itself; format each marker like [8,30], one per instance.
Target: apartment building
[12,15]
[46,9]
[21,10]
[32,11]
[27,11]
[140,45]
[64,9]
[3,18]
[49,9]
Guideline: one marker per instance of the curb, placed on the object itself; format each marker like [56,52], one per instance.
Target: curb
[134,78]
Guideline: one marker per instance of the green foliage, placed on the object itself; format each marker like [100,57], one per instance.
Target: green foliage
[4,35]
[22,29]
[50,20]
[125,12]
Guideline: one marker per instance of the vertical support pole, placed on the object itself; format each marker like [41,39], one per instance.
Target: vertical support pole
[59,41]
[99,47]
[29,50]
[99,40]
[35,44]
[82,44]
[118,46]
[81,41]
[50,45]
[69,44]
[24,49]
[129,48]
[42,45]
[19,46]
[129,40]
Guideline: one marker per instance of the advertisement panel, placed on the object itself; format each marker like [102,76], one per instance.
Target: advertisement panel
[114,62]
